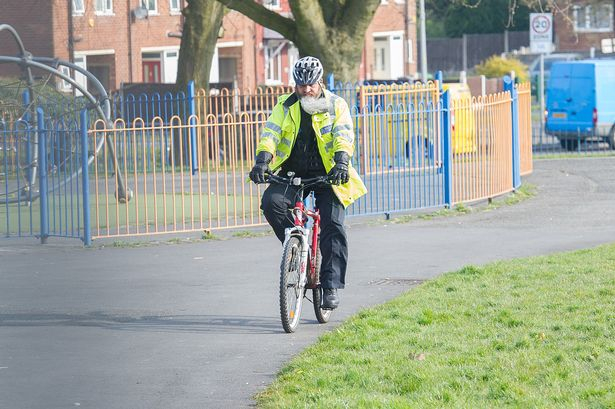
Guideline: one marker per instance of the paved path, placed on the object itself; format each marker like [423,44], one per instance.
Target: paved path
[196,325]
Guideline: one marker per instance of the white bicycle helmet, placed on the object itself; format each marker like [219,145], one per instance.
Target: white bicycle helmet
[307,71]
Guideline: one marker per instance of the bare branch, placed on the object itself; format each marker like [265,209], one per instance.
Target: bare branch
[263,16]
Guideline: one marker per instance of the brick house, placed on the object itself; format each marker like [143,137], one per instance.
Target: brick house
[126,41]
[584,26]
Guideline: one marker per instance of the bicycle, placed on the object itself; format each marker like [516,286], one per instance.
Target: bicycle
[300,266]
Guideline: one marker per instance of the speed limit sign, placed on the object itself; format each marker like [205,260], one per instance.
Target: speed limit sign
[541,32]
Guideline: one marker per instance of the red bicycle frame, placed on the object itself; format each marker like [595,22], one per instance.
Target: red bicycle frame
[300,215]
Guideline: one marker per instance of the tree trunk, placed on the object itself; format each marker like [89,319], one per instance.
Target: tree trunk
[340,55]
[203,19]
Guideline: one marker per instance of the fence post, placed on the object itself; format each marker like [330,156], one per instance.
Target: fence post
[331,82]
[439,78]
[509,86]
[447,152]
[192,120]
[27,118]
[464,52]
[42,173]
[85,178]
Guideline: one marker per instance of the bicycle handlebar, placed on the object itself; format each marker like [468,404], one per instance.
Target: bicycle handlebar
[297,181]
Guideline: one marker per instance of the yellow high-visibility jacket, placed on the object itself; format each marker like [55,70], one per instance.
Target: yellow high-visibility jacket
[333,134]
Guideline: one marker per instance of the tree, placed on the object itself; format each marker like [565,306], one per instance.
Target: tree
[332,30]
[203,19]
[472,17]
[496,67]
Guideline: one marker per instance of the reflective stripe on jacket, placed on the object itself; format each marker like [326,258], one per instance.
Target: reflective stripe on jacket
[333,130]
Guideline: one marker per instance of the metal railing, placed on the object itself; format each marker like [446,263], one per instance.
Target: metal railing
[552,144]
[482,148]
[188,171]
[525,127]
[398,148]
[171,191]
[40,173]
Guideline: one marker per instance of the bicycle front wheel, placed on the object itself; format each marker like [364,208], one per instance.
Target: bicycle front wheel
[291,290]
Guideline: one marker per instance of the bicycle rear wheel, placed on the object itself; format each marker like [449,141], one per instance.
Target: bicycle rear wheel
[321,315]
[291,290]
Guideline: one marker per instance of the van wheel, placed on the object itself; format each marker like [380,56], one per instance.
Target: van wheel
[611,138]
[569,144]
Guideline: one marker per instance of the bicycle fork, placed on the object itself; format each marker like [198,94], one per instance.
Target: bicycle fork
[302,233]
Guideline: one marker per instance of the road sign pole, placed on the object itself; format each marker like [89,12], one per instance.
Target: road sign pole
[541,94]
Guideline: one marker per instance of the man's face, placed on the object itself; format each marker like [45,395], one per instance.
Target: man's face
[312,90]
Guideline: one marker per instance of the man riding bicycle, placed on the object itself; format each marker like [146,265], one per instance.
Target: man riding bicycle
[310,133]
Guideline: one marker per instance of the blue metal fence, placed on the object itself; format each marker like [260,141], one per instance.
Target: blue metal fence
[399,157]
[146,107]
[15,174]
[42,176]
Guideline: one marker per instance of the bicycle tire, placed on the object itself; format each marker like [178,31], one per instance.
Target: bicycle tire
[291,294]
[322,315]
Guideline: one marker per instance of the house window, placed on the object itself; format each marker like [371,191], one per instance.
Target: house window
[150,6]
[103,6]
[78,7]
[273,62]
[65,85]
[595,17]
[175,6]
[380,46]
[271,4]
[228,70]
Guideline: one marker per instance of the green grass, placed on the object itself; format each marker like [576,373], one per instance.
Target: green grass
[573,155]
[525,191]
[527,333]
[187,208]
[246,234]
[207,235]
[133,213]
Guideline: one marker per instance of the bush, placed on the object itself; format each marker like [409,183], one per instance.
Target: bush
[496,66]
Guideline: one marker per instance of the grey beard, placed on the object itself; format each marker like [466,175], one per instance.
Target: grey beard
[314,105]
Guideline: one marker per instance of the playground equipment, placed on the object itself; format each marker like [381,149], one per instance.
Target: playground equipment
[28,105]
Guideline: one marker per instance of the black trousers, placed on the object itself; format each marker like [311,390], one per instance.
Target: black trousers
[277,199]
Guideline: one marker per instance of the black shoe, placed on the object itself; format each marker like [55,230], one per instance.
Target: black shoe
[330,300]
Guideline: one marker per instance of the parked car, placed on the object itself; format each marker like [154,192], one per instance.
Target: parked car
[581,102]
[549,60]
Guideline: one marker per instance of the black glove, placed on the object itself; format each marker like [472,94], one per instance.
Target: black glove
[257,174]
[339,173]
